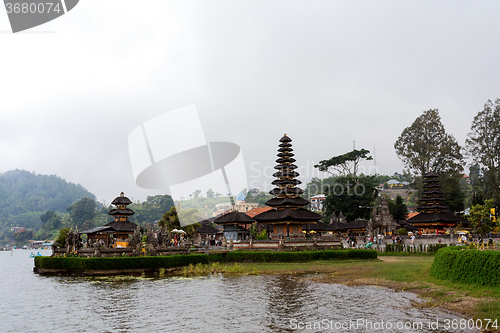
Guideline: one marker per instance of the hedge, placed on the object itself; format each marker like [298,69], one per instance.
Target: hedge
[75,263]
[298,256]
[467,266]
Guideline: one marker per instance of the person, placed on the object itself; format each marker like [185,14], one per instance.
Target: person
[412,239]
[490,239]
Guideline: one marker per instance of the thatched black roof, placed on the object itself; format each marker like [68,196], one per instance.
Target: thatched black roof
[287,201]
[206,229]
[123,226]
[285,138]
[446,217]
[279,182]
[299,214]
[283,174]
[126,211]
[121,200]
[356,224]
[285,149]
[286,191]
[234,218]
[285,154]
[319,226]
[286,167]
[431,174]
[285,160]
[98,229]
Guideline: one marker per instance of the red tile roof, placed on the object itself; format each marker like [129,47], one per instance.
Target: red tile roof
[257,211]
[410,215]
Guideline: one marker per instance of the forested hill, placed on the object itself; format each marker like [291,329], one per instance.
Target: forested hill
[23,192]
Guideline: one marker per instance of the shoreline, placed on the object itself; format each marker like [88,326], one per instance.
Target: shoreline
[398,273]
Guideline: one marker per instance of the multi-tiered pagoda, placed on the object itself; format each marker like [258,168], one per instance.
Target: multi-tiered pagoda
[435,216]
[120,228]
[288,218]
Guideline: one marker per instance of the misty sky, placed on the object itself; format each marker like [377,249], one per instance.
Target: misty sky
[324,72]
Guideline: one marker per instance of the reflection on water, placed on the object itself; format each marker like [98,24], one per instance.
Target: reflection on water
[239,303]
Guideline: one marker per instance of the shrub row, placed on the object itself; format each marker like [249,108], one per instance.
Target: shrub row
[431,248]
[75,263]
[467,266]
[299,256]
[120,262]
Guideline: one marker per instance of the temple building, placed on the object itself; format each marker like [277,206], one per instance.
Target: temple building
[435,217]
[120,228]
[288,218]
[236,225]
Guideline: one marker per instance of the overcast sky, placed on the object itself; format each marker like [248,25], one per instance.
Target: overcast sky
[324,72]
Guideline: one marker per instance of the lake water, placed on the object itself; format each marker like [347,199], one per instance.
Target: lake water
[220,303]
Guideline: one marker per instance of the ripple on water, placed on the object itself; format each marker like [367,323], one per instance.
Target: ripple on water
[236,303]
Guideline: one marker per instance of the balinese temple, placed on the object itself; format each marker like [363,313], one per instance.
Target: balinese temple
[236,225]
[435,217]
[288,218]
[120,228]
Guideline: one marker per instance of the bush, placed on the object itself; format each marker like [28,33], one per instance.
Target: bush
[296,256]
[119,262]
[467,266]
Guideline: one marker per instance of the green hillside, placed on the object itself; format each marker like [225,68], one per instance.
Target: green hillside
[24,196]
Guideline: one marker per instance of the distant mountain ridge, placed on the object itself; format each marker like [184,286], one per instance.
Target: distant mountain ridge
[23,192]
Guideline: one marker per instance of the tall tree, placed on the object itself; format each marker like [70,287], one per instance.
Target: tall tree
[81,211]
[483,145]
[398,209]
[425,146]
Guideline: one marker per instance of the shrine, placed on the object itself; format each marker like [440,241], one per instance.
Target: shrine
[119,229]
[287,218]
[435,217]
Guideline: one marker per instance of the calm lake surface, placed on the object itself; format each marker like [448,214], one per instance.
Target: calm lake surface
[237,303]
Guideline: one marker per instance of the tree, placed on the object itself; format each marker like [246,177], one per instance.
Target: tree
[81,211]
[170,220]
[47,216]
[425,146]
[346,164]
[479,217]
[61,239]
[353,198]
[24,235]
[210,193]
[483,145]
[398,209]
